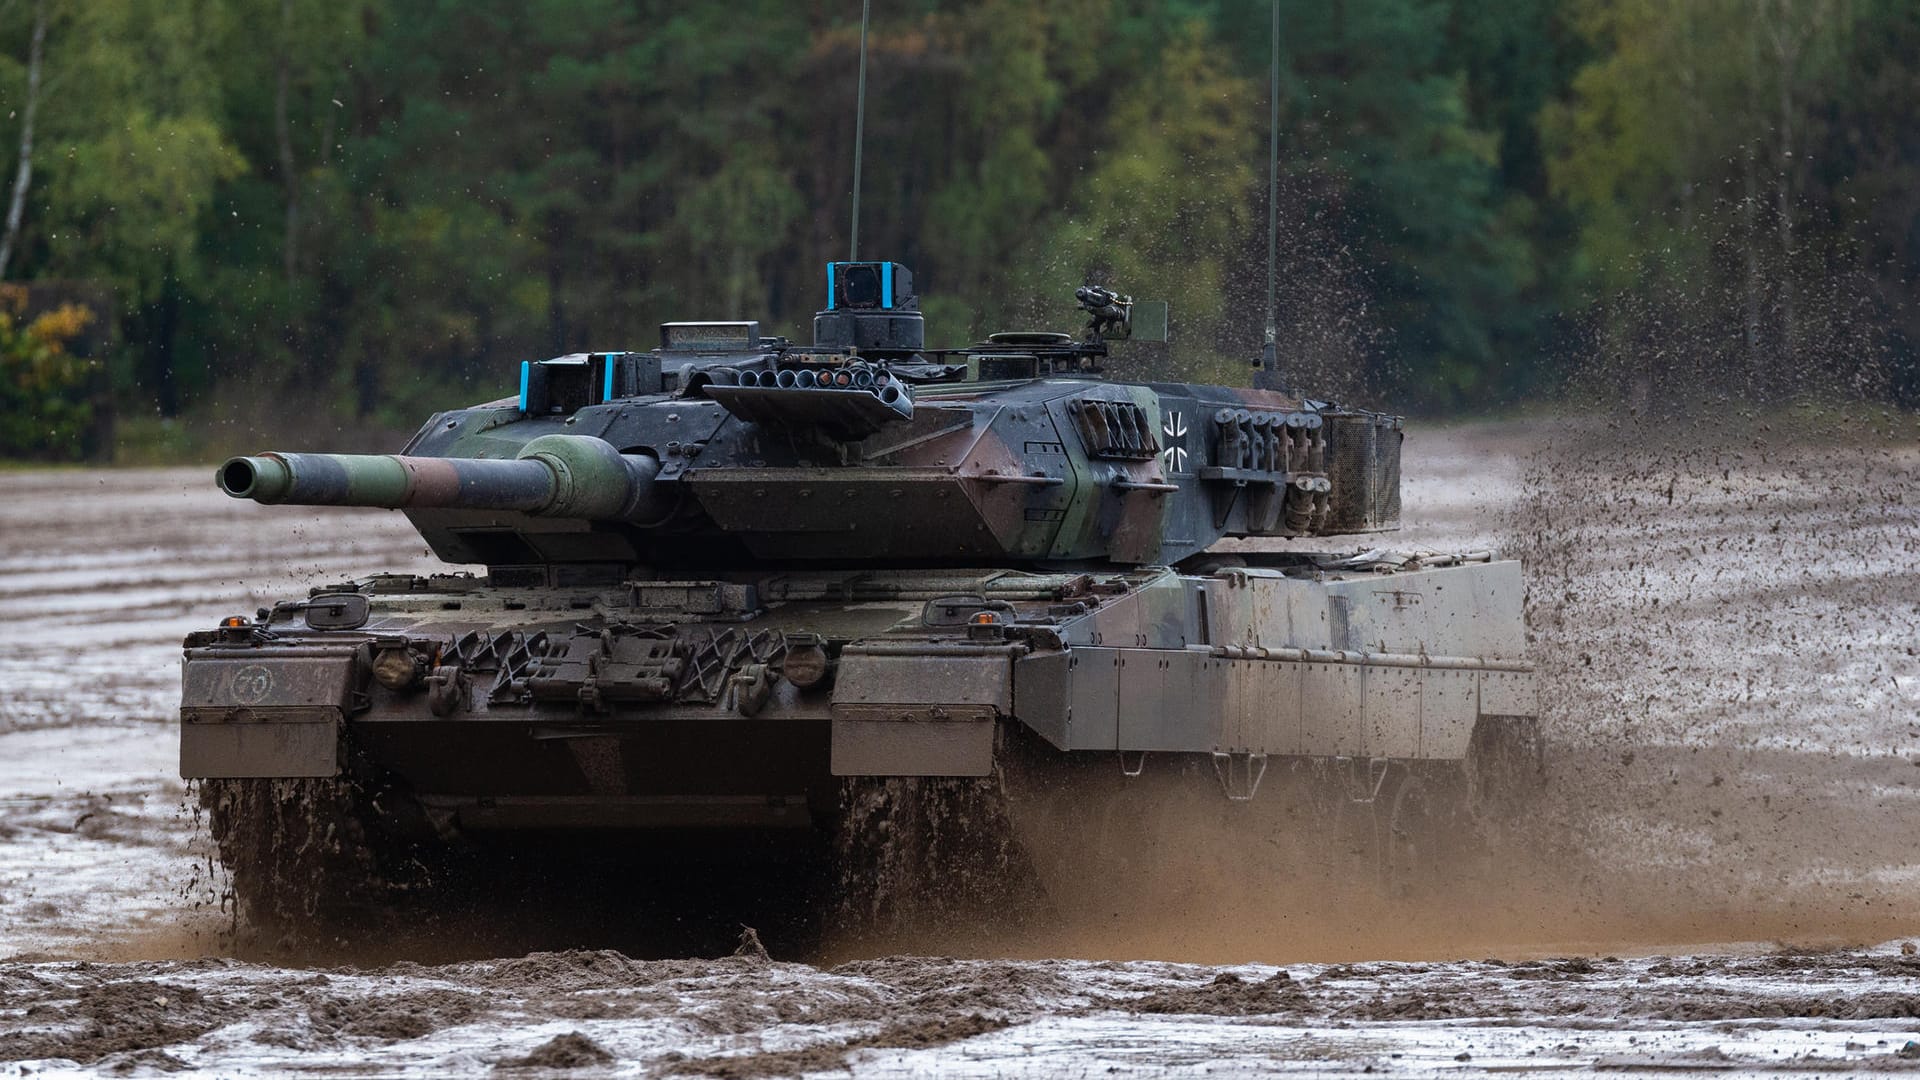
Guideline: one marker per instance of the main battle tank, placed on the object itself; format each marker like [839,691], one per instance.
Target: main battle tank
[740,587]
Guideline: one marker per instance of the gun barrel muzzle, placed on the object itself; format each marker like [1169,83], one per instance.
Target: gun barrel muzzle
[575,476]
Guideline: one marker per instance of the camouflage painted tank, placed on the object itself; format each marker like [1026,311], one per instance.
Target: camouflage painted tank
[735,586]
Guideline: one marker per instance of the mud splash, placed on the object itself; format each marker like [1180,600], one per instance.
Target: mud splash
[745,1017]
[1725,624]
[1729,686]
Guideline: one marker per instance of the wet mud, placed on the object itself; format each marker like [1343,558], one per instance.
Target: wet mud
[1718,874]
[746,1017]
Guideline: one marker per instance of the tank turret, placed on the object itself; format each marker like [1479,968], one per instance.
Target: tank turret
[723,446]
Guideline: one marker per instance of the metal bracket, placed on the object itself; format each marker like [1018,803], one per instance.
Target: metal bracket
[1133,762]
[1240,773]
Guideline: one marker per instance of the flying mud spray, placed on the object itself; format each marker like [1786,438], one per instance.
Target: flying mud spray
[1724,622]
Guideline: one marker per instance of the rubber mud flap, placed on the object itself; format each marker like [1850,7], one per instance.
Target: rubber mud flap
[266,746]
[961,745]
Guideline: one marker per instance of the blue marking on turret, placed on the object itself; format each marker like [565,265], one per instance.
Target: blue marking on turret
[830,267]
[886,285]
[608,394]
[526,372]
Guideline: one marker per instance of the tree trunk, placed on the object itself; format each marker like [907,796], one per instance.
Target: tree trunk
[737,281]
[282,130]
[1641,394]
[22,180]
[160,318]
[1748,207]
[556,309]
[1787,48]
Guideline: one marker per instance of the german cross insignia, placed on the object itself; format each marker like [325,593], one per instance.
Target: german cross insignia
[1175,455]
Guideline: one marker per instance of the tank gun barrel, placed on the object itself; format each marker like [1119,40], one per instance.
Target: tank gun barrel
[573,476]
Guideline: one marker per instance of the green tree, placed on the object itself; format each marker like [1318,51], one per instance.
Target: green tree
[379,207]
[1686,149]
[130,154]
[47,395]
[1164,205]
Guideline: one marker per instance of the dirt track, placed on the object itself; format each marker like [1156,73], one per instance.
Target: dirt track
[1726,630]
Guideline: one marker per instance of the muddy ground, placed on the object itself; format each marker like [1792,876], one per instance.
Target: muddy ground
[1721,877]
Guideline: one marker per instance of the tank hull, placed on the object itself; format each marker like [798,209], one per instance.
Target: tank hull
[664,690]
[774,705]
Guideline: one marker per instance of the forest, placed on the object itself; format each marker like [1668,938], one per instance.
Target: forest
[334,217]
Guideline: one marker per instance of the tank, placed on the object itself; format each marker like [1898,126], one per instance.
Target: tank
[899,609]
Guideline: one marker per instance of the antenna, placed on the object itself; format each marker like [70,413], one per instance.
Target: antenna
[1268,365]
[860,127]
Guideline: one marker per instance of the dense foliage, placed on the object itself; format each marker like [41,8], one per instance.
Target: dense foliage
[366,204]
[47,395]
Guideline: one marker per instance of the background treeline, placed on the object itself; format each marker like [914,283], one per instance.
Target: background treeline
[349,212]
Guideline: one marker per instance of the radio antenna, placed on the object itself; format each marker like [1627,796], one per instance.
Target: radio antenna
[860,126]
[1269,352]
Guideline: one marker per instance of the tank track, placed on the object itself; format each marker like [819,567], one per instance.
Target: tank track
[1073,834]
[309,862]
[917,855]
[316,864]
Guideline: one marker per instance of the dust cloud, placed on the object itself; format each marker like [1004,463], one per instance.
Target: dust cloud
[1726,623]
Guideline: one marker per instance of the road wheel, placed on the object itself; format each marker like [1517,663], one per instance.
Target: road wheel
[1506,775]
[1423,831]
